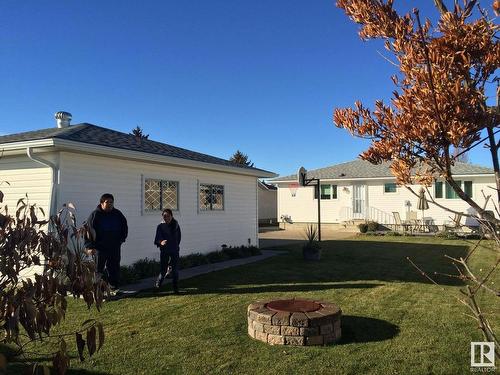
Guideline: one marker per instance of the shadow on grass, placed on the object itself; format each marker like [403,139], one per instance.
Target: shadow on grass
[257,289]
[359,329]
[20,365]
[344,264]
[349,263]
[278,244]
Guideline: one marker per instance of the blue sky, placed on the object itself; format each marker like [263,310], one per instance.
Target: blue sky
[212,76]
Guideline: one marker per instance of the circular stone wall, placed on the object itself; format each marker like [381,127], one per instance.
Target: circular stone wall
[296,326]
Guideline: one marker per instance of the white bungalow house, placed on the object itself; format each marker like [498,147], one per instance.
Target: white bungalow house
[214,200]
[361,190]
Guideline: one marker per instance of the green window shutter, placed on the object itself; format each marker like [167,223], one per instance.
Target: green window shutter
[438,189]
[450,193]
[390,187]
[468,188]
[334,191]
[315,192]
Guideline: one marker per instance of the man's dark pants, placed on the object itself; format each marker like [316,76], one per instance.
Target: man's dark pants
[173,258]
[108,265]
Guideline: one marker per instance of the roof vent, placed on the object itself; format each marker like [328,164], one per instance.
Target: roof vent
[63,119]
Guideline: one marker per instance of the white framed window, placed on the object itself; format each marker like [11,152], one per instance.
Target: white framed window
[210,197]
[160,194]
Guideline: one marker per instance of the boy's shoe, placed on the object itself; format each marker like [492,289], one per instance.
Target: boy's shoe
[158,282]
[168,275]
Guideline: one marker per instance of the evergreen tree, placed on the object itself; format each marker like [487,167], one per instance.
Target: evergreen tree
[241,159]
[138,132]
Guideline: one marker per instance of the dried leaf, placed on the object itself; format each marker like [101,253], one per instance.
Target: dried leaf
[62,346]
[100,330]
[60,363]
[80,344]
[3,362]
[91,340]
[87,322]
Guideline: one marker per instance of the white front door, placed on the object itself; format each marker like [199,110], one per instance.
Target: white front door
[358,201]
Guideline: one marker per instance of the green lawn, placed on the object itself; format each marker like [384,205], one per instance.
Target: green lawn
[394,321]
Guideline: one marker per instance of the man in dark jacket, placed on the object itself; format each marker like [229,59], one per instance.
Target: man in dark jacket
[107,230]
[168,238]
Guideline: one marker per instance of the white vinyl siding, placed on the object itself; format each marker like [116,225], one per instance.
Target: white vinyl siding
[85,178]
[21,177]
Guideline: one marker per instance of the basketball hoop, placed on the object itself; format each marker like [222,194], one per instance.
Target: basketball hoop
[293,186]
[301,176]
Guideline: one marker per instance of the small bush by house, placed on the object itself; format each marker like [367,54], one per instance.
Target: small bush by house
[144,268]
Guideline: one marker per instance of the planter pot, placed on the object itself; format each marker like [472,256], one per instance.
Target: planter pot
[313,253]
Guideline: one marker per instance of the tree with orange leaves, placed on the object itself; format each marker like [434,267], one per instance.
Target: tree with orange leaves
[439,105]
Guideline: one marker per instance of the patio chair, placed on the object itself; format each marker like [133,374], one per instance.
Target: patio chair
[487,226]
[431,225]
[412,220]
[399,223]
[455,226]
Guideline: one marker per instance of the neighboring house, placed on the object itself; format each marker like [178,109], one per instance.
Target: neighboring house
[267,203]
[214,200]
[361,190]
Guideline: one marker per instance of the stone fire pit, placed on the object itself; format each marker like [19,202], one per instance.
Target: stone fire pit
[294,322]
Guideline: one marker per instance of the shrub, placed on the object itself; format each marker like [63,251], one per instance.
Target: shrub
[31,307]
[311,233]
[254,250]
[192,260]
[393,234]
[311,251]
[363,227]
[146,267]
[128,275]
[217,256]
[372,226]
[447,235]
[233,252]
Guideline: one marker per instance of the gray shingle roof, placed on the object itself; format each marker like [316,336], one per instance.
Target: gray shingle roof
[96,135]
[364,169]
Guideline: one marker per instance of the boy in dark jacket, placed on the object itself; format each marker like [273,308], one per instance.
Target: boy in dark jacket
[168,238]
[107,230]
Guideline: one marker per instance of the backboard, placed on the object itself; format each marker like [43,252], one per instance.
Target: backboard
[301,176]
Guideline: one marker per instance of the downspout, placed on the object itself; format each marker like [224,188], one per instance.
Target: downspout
[257,211]
[55,179]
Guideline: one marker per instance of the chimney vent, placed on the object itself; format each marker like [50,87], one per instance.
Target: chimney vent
[63,119]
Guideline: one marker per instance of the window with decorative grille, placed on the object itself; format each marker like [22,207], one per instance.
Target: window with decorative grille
[211,197]
[160,194]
